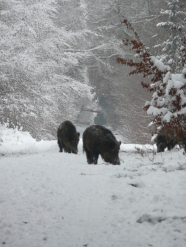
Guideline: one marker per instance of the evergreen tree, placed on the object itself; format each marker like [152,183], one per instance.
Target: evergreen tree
[168,104]
[175,27]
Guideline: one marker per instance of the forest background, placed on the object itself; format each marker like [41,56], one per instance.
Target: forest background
[58,62]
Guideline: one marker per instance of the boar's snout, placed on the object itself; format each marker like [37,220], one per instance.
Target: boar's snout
[74,151]
[116,162]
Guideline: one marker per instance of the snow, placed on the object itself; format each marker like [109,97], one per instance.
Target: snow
[167,77]
[156,111]
[160,65]
[179,77]
[173,84]
[13,141]
[164,105]
[56,199]
[165,24]
[167,117]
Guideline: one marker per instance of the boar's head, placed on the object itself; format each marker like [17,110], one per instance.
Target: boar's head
[72,145]
[111,153]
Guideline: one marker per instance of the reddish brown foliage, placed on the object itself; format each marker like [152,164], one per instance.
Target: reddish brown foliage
[143,65]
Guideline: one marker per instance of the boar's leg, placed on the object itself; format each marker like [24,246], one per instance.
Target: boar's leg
[95,158]
[161,147]
[67,150]
[171,144]
[89,157]
[60,146]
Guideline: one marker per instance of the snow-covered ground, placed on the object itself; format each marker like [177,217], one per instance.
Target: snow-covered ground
[56,199]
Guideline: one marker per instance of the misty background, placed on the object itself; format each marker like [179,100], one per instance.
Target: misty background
[58,62]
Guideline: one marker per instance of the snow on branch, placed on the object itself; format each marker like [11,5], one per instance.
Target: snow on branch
[159,64]
[168,104]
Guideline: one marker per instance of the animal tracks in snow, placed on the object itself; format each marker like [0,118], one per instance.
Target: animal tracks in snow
[158,219]
[151,219]
[138,184]
[59,200]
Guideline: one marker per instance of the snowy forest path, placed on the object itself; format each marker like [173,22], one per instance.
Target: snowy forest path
[56,199]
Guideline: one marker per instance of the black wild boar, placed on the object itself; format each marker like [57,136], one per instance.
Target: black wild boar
[164,141]
[68,137]
[99,140]
[166,138]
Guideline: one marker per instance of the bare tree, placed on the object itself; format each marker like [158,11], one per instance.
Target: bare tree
[37,89]
[174,25]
